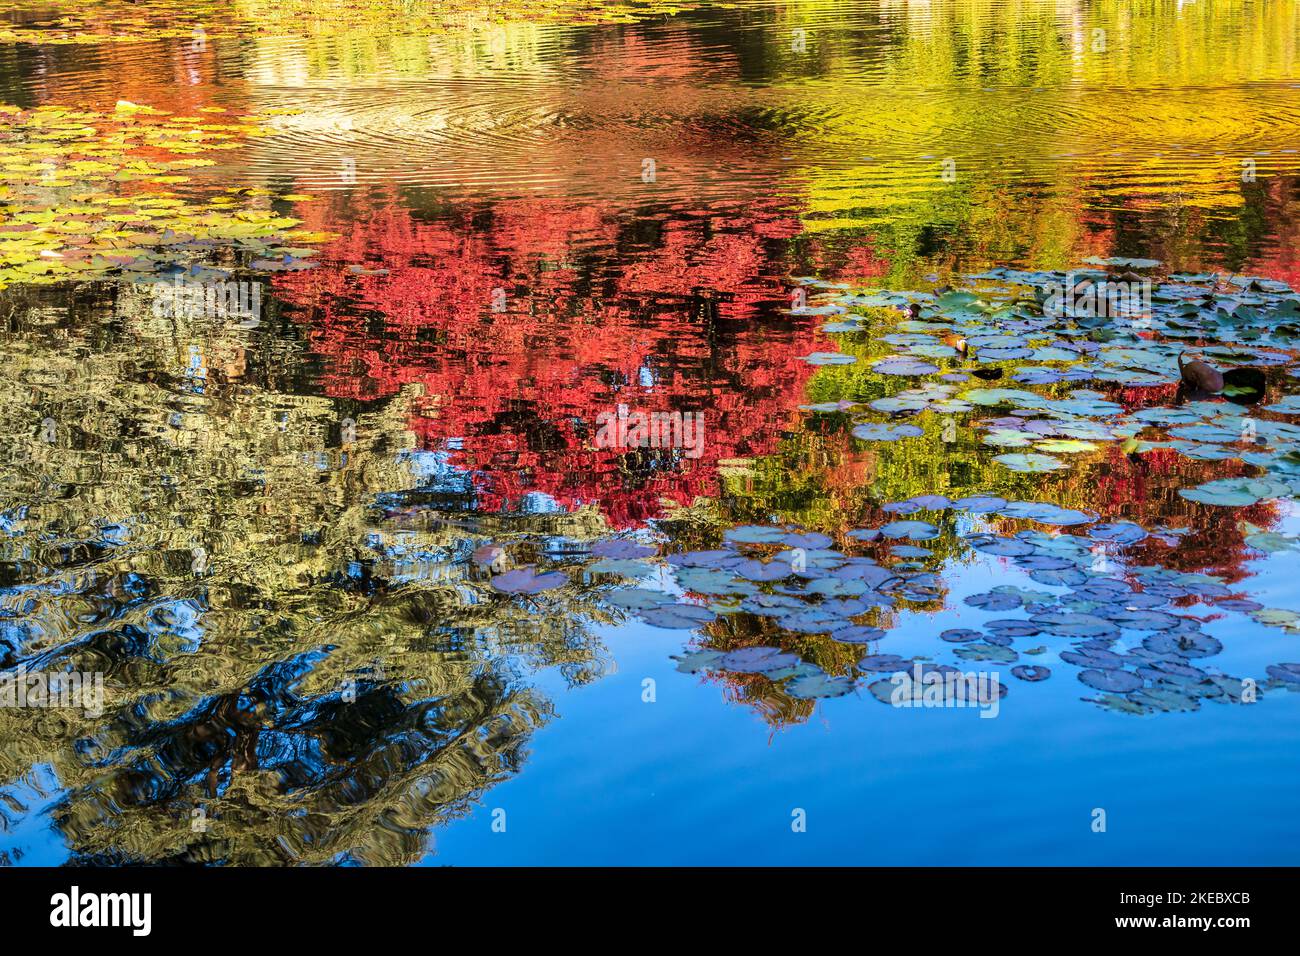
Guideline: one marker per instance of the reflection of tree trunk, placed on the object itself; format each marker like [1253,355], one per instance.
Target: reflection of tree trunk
[240,750]
[704,309]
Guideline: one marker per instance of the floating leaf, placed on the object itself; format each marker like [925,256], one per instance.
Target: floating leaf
[1031,672]
[987,652]
[857,634]
[621,548]
[756,660]
[712,581]
[1235,492]
[884,662]
[904,366]
[1271,542]
[693,662]
[818,686]
[1278,617]
[993,601]
[1069,624]
[830,358]
[1120,532]
[1287,672]
[1029,462]
[1183,645]
[879,432]
[1117,681]
[527,581]
[681,616]
[913,530]
[1163,699]
[752,570]
[637,598]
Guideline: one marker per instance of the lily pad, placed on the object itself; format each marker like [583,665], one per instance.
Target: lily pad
[527,581]
[816,686]
[830,358]
[993,601]
[621,548]
[1166,700]
[901,365]
[1029,462]
[1116,681]
[1031,672]
[1120,532]
[638,599]
[987,652]
[1287,672]
[757,660]
[1067,624]
[880,432]
[857,634]
[887,663]
[912,530]
[679,616]
[1184,645]
[712,581]
[694,662]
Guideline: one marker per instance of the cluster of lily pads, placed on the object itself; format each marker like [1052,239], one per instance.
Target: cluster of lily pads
[86,195]
[133,21]
[1117,623]
[1004,327]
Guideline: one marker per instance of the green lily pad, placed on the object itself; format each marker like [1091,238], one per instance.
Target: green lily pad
[1030,462]
[815,686]
[830,358]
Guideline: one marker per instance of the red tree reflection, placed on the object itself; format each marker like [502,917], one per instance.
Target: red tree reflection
[525,319]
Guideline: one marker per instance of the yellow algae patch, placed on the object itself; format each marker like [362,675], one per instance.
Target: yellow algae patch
[88,194]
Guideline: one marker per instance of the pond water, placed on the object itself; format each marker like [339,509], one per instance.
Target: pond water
[577,434]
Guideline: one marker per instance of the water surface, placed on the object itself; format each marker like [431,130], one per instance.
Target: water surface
[470,240]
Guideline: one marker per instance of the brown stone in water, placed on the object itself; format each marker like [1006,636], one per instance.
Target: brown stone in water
[1198,375]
